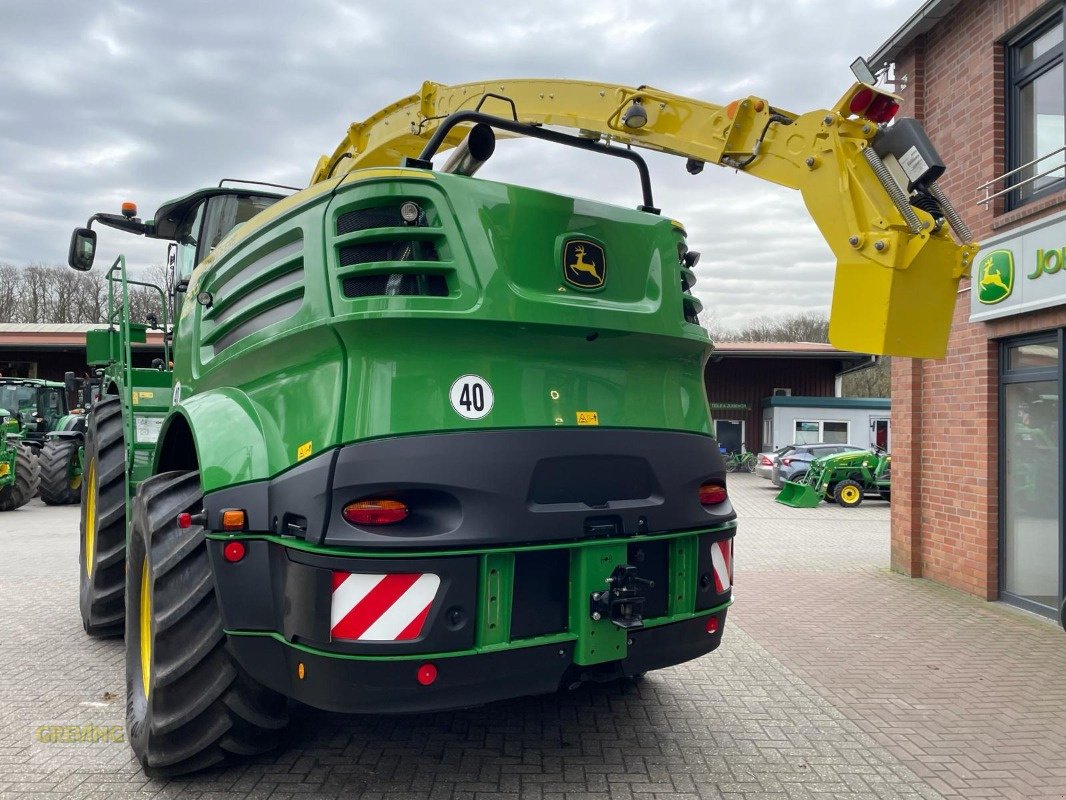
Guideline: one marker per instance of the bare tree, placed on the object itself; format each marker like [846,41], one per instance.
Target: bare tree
[808,327]
[43,293]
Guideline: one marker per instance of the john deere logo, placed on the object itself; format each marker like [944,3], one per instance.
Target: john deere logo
[584,264]
[995,279]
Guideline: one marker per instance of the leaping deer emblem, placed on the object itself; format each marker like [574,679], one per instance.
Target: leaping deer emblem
[990,277]
[581,265]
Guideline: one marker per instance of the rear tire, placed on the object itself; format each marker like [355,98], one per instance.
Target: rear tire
[102,556]
[60,472]
[196,708]
[27,479]
[848,494]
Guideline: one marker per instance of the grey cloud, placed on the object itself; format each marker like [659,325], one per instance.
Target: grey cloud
[113,100]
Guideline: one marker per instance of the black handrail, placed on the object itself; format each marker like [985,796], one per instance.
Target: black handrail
[538,132]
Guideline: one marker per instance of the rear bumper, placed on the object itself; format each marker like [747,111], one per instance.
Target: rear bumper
[384,685]
[498,624]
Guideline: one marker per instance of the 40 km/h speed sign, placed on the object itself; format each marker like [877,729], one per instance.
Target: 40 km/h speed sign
[471,396]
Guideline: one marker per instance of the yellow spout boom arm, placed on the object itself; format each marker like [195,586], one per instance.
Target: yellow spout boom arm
[897,269]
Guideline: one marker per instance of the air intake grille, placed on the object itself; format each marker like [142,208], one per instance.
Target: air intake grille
[397,284]
[388,251]
[365,219]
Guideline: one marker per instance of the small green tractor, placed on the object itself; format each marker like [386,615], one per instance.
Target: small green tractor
[842,478]
[427,440]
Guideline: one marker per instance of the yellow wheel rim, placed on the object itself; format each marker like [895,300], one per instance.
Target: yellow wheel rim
[849,494]
[146,628]
[90,518]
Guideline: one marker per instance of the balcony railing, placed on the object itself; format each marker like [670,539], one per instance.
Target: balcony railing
[987,188]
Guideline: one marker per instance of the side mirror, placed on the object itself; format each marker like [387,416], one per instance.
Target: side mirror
[70,382]
[82,249]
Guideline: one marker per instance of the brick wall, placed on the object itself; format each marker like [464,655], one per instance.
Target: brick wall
[944,413]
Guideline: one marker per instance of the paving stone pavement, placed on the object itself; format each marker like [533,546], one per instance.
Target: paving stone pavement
[836,679]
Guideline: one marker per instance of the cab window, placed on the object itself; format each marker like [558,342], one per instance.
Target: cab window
[224,213]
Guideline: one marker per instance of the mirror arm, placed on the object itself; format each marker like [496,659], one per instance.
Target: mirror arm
[133,225]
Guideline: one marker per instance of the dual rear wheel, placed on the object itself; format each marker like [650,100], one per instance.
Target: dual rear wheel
[189,706]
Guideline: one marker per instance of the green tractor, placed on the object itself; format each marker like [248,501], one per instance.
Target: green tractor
[431,441]
[61,454]
[19,469]
[38,405]
[842,478]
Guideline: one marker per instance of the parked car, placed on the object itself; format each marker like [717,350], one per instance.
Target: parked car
[764,461]
[793,466]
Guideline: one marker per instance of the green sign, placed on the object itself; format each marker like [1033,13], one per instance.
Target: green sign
[995,277]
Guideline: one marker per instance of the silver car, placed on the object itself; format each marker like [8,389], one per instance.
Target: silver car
[792,466]
[765,461]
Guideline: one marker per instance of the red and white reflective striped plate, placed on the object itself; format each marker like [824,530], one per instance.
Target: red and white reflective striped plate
[381,608]
[722,562]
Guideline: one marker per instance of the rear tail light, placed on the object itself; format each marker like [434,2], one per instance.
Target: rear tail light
[375,512]
[766,462]
[711,494]
[712,625]
[882,109]
[873,105]
[787,462]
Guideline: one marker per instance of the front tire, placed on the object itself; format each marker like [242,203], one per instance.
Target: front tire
[27,479]
[189,706]
[849,494]
[60,472]
[102,558]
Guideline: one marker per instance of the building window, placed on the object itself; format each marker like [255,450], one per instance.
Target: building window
[815,431]
[1036,106]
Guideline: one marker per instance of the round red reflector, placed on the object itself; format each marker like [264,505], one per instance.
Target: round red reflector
[184,519]
[233,552]
[427,673]
[712,624]
[711,494]
[861,100]
[375,512]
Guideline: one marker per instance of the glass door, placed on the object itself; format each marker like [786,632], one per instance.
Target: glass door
[1031,530]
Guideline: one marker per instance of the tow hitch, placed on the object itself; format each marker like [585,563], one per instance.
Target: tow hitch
[622,601]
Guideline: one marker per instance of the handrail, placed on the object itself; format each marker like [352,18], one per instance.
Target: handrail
[988,198]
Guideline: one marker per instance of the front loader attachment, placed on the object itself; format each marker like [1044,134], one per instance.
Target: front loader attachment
[799,495]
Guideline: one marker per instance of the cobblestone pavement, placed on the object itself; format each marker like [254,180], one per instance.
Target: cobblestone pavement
[836,679]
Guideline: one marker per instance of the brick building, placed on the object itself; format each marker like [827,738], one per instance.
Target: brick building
[977,452]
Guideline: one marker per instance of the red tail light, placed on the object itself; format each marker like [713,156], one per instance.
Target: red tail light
[882,109]
[876,107]
[787,462]
[711,494]
[766,462]
[712,625]
[375,512]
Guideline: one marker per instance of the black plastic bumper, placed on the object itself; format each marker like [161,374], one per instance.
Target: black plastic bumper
[381,686]
[491,488]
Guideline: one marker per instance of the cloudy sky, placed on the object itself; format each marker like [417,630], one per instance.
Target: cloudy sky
[106,101]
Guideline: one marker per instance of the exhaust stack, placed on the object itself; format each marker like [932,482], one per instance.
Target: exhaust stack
[472,152]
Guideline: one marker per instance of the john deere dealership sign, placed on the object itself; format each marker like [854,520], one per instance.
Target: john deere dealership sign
[1021,271]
